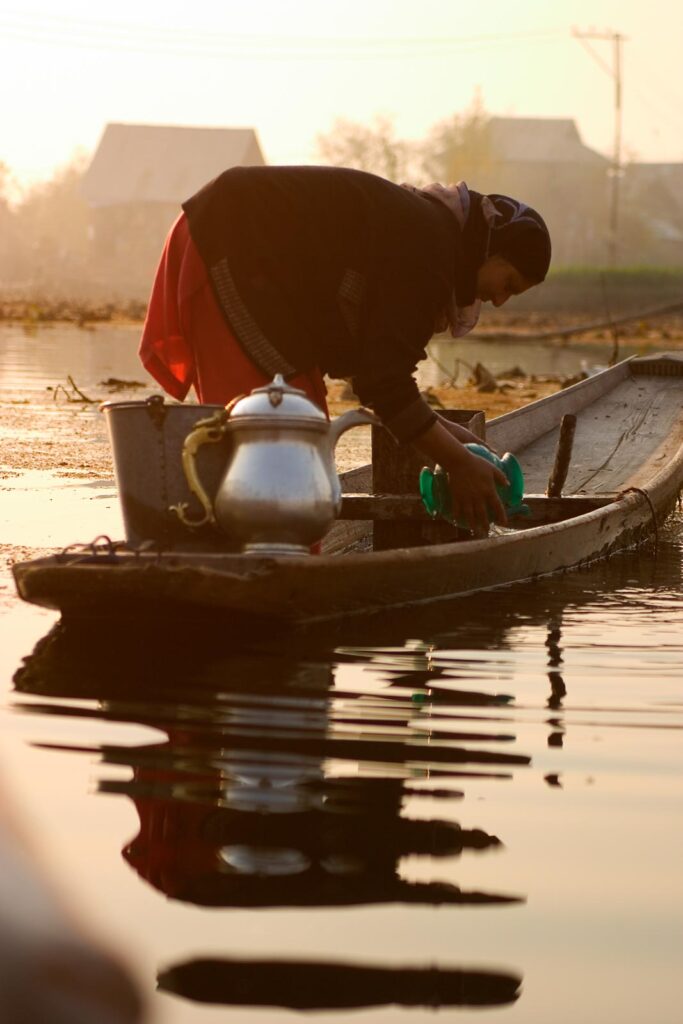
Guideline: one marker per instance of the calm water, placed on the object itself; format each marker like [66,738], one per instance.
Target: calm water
[473,812]
[31,361]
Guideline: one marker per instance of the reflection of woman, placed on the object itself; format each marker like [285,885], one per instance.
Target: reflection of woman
[286,835]
[311,270]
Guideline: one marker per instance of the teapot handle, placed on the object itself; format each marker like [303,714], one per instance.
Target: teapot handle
[208,431]
[352,418]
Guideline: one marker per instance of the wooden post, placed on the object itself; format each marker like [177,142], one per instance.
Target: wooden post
[563,454]
[396,470]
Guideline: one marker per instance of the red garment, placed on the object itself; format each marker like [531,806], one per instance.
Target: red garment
[186,340]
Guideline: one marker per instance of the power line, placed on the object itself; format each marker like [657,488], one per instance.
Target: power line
[658,95]
[157,31]
[180,42]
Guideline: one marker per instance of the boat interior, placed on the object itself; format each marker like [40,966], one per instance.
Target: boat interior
[374,522]
[628,426]
[629,423]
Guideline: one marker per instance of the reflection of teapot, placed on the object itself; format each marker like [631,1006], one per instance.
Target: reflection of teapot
[280,492]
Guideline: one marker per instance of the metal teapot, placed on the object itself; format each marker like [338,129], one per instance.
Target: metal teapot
[280,492]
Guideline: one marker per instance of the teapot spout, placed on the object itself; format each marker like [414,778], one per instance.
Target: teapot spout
[352,418]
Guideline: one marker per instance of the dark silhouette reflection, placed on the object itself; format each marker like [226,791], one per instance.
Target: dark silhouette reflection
[487,619]
[556,738]
[274,787]
[558,691]
[334,986]
[277,833]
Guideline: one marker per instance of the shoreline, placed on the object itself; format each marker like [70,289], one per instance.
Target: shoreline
[33,427]
[558,330]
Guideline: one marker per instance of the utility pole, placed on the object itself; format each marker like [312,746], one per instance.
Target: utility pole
[614,71]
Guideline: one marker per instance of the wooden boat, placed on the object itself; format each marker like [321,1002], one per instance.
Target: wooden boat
[625,476]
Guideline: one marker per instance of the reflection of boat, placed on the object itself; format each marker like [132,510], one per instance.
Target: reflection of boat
[626,473]
[273,787]
[334,986]
[276,787]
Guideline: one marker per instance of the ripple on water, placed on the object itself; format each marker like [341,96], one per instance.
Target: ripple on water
[475,805]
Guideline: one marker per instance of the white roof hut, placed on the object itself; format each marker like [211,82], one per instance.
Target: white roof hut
[151,163]
[137,179]
[540,140]
[543,161]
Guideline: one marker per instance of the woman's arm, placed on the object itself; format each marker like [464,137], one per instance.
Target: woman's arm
[462,434]
[472,479]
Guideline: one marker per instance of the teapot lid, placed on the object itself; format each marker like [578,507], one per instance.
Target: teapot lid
[277,399]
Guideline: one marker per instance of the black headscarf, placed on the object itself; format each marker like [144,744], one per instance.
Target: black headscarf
[500,225]
[520,234]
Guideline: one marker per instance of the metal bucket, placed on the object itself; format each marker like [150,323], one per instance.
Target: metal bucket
[147,439]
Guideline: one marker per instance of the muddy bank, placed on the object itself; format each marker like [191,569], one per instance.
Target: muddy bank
[659,332]
[56,469]
[590,325]
[505,395]
[57,475]
[47,311]
[70,440]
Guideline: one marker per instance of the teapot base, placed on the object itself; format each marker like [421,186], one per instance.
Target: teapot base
[273,548]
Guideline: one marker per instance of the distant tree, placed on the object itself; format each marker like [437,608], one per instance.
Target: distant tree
[459,146]
[650,224]
[7,223]
[52,222]
[373,148]
[6,182]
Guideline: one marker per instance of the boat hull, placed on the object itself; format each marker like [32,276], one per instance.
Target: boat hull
[199,587]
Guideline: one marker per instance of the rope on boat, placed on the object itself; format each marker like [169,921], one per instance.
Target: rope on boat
[643,493]
[102,547]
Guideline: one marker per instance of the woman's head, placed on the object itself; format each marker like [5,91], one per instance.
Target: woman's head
[498,279]
[505,250]
[520,234]
[518,252]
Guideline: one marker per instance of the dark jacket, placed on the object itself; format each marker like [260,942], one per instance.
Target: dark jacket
[334,268]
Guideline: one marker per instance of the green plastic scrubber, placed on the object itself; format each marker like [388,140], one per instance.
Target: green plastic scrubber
[436,494]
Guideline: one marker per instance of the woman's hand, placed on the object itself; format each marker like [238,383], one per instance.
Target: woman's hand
[462,434]
[472,482]
[472,479]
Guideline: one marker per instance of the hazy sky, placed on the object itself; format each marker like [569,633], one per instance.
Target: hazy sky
[290,67]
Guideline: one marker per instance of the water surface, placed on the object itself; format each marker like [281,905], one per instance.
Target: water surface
[34,360]
[471,812]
